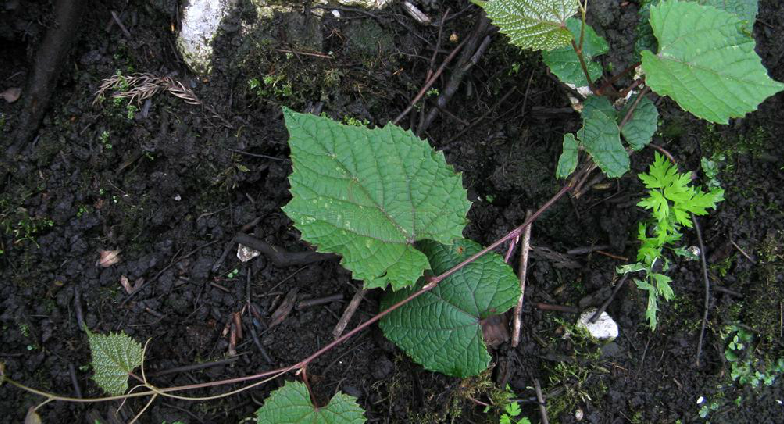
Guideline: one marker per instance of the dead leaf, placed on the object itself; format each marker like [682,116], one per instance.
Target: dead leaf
[126,285]
[495,330]
[32,417]
[284,309]
[11,95]
[108,258]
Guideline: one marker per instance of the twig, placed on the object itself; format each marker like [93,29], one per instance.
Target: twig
[74,380]
[610,255]
[319,55]
[518,312]
[559,308]
[193,367]
[707,286]
[585,250]
[468,58]
[430,82]
[540,398]
[280,257]
[349,312]
[438,45]
[607,302]
[255,336]
[510,250]
[120,24]
[258,155]
[663,151]
[746,255]
[315,302]
[78,308]
[633,107]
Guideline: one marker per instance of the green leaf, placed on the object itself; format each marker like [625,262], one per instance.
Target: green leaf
[652,308]
[564,63]
[291,405]
[441,329]
[644,38]
[532,24]
[602,140]
[746,10]
[368,195]
[568,160]
[705,63]
[599,103]
[639,130]
[663,285]
[114,357]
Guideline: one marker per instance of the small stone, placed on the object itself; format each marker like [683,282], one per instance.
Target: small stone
[245,253]
[604,328]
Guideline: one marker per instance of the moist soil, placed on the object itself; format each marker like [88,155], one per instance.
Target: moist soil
[169,184]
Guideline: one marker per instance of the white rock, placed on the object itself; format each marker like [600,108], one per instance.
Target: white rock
[202,18]
[245,253]
[200,22]
[603,329]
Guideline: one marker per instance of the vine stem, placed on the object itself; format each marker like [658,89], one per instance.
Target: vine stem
[578,48]
[167,392]
[584,67]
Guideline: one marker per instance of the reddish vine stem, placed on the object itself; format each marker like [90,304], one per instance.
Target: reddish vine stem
[584,67]
[633,107]
[301,365]
[618,76]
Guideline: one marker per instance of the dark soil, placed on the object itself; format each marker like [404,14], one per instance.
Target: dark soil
[171,184]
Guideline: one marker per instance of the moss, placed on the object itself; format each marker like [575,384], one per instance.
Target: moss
[582,376]
[762,311]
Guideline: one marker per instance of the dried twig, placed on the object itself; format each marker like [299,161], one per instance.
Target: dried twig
[120,24]
[606,303]
[349,312]
[524,247]
[742,252]
[430,81]
[707,286]
[540,399]
[320,301]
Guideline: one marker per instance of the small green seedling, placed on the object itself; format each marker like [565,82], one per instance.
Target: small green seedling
[671,200]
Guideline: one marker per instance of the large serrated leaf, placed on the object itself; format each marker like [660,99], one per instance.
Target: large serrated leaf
[643,123]
[291,405]
[564,63]
[114,357]
[746,10]
[441,329]
[532,24]
[705,63]
[602,139]
[368,195]
[567,162]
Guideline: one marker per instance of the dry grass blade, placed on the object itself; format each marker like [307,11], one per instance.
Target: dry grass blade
[178,90]
[139,87]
